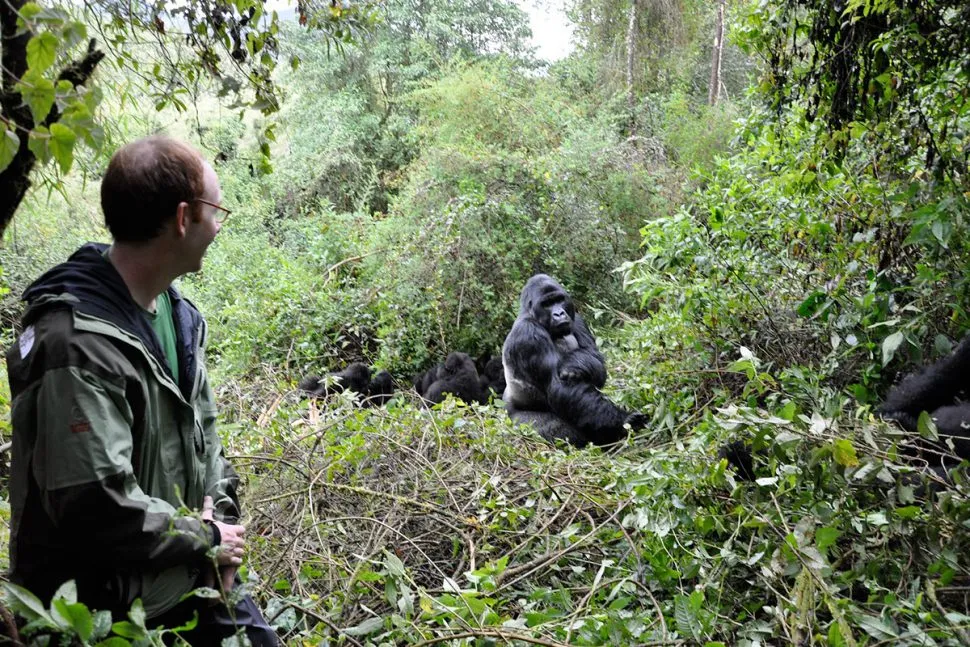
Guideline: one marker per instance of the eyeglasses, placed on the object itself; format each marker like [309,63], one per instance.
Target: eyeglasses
[220,218]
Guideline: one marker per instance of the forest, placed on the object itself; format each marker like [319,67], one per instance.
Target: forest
[759,207]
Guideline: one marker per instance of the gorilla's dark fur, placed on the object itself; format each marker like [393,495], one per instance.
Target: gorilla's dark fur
[940,390]
[491,375]
[457,376]
[357,378]
[554,371]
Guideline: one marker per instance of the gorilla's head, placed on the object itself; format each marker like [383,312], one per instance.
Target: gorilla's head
[457,363]
[548,304]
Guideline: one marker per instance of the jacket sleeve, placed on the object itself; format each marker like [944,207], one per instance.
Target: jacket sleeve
[221,481]
[82,467]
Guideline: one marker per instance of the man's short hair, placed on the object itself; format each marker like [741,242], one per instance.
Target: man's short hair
[144,184]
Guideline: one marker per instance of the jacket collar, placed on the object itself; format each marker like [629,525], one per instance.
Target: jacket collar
[99,291]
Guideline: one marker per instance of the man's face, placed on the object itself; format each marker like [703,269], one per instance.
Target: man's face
[204,221]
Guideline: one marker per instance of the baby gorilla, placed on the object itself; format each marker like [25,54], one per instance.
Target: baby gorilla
[457,376]
[554,371]
[357,378]
[491,375]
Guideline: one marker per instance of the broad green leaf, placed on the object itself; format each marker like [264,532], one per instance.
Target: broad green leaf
[29,10]
[25,603]
[889,346]
[114,641]
[926,427]
[76,616]
[102,624]
[825,537]
[844,453]
[38,143]
[126,629]
[9,145]
[62,146]
[908,512]
[38,93]
[365,628]
[67,592]
[41,51]
[393,564]
[137,613]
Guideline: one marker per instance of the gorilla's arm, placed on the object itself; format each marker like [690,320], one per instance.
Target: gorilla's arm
[954,421]
[530,357]
[588,410]
[935,387]
[585,363]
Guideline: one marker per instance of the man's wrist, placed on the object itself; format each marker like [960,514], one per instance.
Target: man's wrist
[216,535]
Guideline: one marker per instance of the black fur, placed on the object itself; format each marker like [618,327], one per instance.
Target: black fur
[554,371]
[457,376]
[939,390]
[357,378]
[491,375]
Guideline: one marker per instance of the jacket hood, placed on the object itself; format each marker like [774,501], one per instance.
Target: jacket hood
[99,291]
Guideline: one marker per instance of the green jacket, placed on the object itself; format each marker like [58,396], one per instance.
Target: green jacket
[108,444]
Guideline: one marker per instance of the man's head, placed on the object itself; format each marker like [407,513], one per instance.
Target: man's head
[159,185]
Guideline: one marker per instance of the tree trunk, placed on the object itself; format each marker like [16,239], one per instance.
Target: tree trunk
[15,179]
[630,56]
[714,90]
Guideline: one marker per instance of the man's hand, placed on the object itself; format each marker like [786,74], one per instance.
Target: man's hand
[231,548]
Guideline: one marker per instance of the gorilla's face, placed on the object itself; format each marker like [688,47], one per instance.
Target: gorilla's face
[549,305]
[457,363]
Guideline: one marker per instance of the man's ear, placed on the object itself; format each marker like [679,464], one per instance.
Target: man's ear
[182,214]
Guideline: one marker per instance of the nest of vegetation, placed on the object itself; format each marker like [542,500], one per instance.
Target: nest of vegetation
[408,525]
[355,496]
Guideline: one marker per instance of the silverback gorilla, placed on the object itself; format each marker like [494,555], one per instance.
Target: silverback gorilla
[554,372]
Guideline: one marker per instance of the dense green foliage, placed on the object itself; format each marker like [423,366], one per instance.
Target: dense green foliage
[757,270]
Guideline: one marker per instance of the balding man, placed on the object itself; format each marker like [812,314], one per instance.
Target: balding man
[113,417]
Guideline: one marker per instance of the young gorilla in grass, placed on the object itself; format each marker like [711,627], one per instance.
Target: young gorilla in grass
[491,375]
[357,378]
[457,376]
[554,371]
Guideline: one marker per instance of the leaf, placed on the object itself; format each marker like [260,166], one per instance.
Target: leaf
[67,592]
[137,613]
[38,93]
[62,146]
[102,624]
[878,627]
[825,537]
[29,10]
[128,630]
[25,603]
[394,566]
[889,347]
[76,616]
[41,51]
[38,142]
[844,453]
[908,512]
[9,145]
[365,628]
[114,641]
[926,427]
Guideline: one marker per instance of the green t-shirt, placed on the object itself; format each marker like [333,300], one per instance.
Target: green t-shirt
[164,326]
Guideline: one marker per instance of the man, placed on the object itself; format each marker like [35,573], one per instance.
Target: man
[113,417]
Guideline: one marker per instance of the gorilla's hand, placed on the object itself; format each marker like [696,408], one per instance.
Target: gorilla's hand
[637,420]
[905,419]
